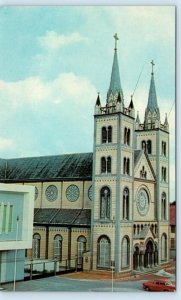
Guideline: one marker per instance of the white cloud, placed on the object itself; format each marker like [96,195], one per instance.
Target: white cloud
[54,41]
[6,143]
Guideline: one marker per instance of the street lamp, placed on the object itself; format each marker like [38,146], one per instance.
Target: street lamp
[16,251]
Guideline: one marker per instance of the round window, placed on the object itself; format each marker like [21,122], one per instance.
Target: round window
[72,193]
[51,193]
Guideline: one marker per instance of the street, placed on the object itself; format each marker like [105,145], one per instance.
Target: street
[61,284]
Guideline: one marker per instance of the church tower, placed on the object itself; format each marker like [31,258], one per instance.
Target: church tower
[153,138]
[113,174]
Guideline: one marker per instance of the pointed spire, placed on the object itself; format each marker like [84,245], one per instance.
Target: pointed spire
[131,106]
[98,102]
[115,83]
[166,121]
[152,98]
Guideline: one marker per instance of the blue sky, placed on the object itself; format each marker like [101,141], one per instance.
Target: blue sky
[54,60]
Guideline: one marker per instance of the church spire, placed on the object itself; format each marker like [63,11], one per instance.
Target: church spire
[152,112]
[115,83]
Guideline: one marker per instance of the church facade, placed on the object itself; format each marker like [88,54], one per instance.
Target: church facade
[108,208]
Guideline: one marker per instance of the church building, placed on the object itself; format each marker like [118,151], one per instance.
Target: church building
[106,209]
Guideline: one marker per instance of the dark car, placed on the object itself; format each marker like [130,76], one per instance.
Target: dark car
[159,285]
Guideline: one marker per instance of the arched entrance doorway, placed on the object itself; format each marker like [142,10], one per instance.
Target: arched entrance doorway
[136,254]
[149,257]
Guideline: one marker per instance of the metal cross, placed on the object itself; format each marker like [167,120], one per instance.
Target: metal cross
[116,39]
[152,63]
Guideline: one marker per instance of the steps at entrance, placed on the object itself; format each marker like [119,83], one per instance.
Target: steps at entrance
[148,271]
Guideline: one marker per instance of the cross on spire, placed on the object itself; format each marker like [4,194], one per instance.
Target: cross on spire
[152,63]
[116,39]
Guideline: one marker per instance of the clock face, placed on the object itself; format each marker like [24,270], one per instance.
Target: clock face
[90,192]
[142,202]
[72,193]
[51,193]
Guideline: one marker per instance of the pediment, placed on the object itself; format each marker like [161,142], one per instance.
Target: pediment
[143,168]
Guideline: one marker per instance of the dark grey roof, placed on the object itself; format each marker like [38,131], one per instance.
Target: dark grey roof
[54,216]
[60,167]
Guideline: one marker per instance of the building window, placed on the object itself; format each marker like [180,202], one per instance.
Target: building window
[58,247]
[104,252]
[10,218]
[126,166]
[172,245]
[103,165]
[81,248]
[147,146]
[125,252]
[109,134]
[105,203]
[164,148]
[172,228]
[36,245]
[163,206]
[164,174]
[143,173]
[106,134]
[163,247]
[4,218]
[125,204]
[126,136]
[109,164]
[106,164]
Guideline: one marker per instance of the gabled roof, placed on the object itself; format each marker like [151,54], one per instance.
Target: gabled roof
[59,167]
[54,216]
[138,154]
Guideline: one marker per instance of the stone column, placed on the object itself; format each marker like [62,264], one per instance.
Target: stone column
[152,259]
[142,261]
[138,262]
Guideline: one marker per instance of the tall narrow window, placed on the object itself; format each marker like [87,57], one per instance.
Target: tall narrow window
[128,137]
[103,165]
[149,147]
[109,134]
[125,135]
[164,174]
[164,148]
[104,252]
[125,204]
[124,165]
[36,245]
[81,248]
[163,206]
[128,166]
[125,252]
[105,203]
[58,247]
[163,247]
[10,218]
[109,164]
[143,145]
[104,135]
[4,218]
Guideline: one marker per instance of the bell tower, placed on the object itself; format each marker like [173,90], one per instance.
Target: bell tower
[111,220]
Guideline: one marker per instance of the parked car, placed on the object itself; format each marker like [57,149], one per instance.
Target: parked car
[159,285]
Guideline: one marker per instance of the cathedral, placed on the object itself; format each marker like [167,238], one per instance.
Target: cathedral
[105,210]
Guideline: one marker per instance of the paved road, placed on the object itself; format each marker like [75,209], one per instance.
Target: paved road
[59,283]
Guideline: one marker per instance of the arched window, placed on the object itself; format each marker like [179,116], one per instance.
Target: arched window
[149,147]
[125,135]
[104,252]
[163,206]
[36,245]
[103,165]
[164,148]
[164,174]
[104,135]
[143,145]
[128,166]
[128,137]
[138,229]
[125,204]
[109,164]
[143,172]
[109,134]
[163,247]
[134,229]
[124,165]
[125,252]
[58,247]
[105,203]
[81,248]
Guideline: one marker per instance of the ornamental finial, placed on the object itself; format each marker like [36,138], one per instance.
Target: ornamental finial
[153,64]
[116,39]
